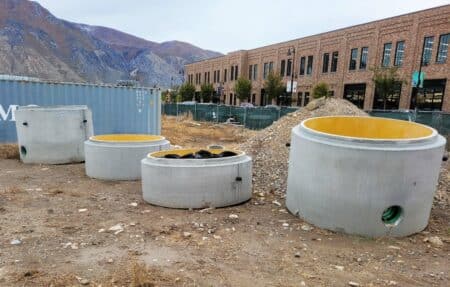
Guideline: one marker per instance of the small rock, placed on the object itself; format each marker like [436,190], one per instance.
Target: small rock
[233,216]
[297,254]
[16,242]
[84,281]
[302,283]
[353,284]
[82,210]
[276,203]
[394,247]
[110,260]
[187,234]
[134,204]
[118,228]
[101,230]
[435,241]
[338,267]
[218,237]
[306,227]
[392,283]
[285,224]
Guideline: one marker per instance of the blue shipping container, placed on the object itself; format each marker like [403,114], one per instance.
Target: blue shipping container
[114,109]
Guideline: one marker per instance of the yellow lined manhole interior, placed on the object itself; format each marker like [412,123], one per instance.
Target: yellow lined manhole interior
[195,153]
[126,138]
[368,128]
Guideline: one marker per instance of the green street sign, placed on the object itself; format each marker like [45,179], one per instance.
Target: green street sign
[416,82]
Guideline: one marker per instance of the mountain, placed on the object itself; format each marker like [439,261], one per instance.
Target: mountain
[35,43]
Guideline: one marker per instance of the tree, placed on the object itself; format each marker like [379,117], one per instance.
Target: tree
[206,91]
[321,90]
[386,81]
[273,86]
[243,88]
[187,91]
[165,96]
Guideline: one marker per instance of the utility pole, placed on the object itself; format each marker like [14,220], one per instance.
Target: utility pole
[419,78]
[292,51]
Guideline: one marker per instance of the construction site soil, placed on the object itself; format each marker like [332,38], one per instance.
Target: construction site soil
[60,228]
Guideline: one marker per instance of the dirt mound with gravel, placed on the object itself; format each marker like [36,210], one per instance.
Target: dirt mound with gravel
[268,146]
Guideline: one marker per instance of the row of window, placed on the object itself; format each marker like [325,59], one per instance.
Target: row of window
[253,72]
[216,76]
[306,63]
[362,60]
[398,56]
[442,53]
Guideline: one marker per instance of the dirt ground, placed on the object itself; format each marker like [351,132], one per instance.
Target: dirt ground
[55,221]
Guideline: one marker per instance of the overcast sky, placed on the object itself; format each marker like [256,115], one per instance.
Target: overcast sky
[229,25]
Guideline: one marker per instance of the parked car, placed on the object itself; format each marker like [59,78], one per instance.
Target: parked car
[272,107]
[188,103]
[247,105]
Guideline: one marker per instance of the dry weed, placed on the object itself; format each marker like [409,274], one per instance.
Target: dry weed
[9,151]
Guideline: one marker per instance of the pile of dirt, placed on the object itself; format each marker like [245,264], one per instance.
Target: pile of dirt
[186,132]
[9,151]
[268,147]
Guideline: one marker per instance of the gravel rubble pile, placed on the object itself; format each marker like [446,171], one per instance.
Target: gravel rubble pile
[268,146]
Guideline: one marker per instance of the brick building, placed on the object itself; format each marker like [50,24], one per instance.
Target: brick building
[343,58]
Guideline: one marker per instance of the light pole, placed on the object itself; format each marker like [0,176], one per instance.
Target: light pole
[290,52]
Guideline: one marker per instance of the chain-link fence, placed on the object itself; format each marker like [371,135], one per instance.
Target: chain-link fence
[436,119]
[260,117]
[252,118]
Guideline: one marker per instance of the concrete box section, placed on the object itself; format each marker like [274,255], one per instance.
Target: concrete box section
[53,135]
[362,175]
[118,156]
[196,182]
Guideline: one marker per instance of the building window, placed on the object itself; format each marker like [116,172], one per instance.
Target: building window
[236,73]
[326,60]
[334,61]
[214,77]
[270,67]
[364,58]
[282,67]
[289,67]
[386,55]
[355,93]
[218,76]
[309,66]
[265,70]
[255,72]
[205,78]
[208,77]
[444,41]
[353,58]
[231,99]
[224,75]
[306,99]
[250,72]
[302,65]
[391,102]
[432,96]
[399,52]
[427,50]
[232,73]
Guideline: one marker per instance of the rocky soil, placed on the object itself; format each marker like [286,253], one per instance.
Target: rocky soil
[61,228]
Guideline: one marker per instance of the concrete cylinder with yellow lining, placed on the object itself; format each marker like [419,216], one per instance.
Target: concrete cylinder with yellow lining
[364,175]
[118,156]
[180,182]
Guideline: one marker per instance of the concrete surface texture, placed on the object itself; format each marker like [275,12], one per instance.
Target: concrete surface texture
[344,180]
[196,183]
[53,135]
[118,157]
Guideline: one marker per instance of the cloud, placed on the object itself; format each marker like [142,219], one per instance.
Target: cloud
[229,25]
